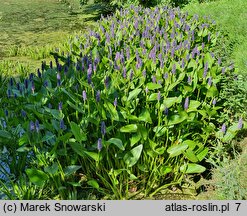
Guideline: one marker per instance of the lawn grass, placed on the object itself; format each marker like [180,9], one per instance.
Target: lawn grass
[35,22]
[30,26]
[229,178]
[231,17]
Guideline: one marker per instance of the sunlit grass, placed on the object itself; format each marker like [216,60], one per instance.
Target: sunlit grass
[231,17]
[229,178]
[30,30]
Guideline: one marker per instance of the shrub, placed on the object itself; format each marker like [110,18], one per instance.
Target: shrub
[146,3]
[129,110]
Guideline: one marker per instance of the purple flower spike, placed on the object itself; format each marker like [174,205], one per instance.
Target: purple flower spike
[84,95]
[23,114]
[31,76]
[43,65]
[26,83]
[68,60]
[231,66]
[39,73]
[152,54]
[205,70]
[240,123]
[160,57]
[60,106]
[58,79]
[189,80]
[154,79]
[158,96]
[124,73]
[115,102]
[11,82]
[223,128]
[223,70]
[174,68]
[165,75]
[82,67]
[210,81]
[110,52]
[117,57]
[4,124]
[192,35]
[193,54]
[173,52]
[9,93]
[102,29]
[45,83]
[203,45]
[146,90]
[209,37]
[103,128]
[56,60]
[99,144]
[98,96]
[166,111]
[144,51]
[62,126]
[107,80]
[66,69]
[59,67]
[37,126]
[89,74]
[144,73]
[94,67]
[131,75]
[116,66]
[31,126]
[214,102]
[33,87]
[139,64]
[219,61]
[183,63]
[187,28]
[186,103]
[172,35]
[122,59]
[78,67]
[6,113]
[58,76]
[187,57]
[128,53]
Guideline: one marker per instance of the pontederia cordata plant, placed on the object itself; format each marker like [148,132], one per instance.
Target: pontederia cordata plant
[129,110]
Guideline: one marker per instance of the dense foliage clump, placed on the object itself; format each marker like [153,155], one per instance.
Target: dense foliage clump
[131,108]
[146,3]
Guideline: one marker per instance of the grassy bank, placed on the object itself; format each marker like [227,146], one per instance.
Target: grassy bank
[31,29]
[231,17]
[229,179]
